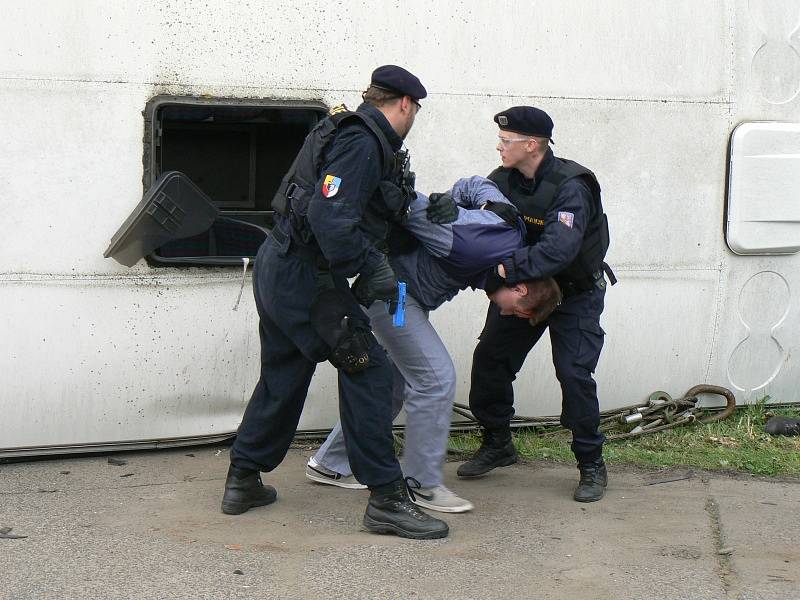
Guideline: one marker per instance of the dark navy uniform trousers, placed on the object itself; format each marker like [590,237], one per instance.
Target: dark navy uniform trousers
[284,287]
[576,338]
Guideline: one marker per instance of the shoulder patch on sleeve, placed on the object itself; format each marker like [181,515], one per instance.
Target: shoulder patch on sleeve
[330,185]
[567,218]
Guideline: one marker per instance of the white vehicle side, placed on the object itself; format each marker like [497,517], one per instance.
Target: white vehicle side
[646,94]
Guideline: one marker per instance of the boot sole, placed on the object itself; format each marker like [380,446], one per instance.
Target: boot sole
[378,527]
[507,462]
[237,508]
[600,497]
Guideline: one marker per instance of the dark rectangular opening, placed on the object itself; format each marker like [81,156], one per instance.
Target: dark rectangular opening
[237,152]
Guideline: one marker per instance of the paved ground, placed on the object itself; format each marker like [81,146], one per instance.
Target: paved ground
[152,529]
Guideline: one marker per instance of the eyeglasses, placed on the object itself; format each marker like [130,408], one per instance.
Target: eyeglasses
[503,141]
[419,106]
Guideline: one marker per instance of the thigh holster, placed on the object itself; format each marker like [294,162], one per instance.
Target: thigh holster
[348,339]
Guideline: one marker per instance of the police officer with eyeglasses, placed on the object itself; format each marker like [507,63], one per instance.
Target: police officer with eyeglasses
[334,210]
[567,239]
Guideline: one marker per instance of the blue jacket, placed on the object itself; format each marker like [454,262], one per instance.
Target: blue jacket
[459,254]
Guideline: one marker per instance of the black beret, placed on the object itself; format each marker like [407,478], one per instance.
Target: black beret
[397,79]
[526,120]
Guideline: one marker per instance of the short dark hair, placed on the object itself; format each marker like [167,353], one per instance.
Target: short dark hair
[541,299]
[379,96]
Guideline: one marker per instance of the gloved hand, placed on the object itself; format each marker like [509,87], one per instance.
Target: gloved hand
[494,281]
[507,212]
[381,284]
[442,208]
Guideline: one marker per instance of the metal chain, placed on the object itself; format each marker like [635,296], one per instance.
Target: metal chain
[660,412]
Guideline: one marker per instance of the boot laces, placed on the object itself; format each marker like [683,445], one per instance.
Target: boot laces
[486,451]
[413,486]
[590,475]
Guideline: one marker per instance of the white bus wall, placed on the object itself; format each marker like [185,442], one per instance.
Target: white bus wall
[644,93]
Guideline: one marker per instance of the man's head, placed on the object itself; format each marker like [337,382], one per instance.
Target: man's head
[533,299]
[396,93]
[525,132]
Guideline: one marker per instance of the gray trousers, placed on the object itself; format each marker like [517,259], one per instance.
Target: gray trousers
[425,383]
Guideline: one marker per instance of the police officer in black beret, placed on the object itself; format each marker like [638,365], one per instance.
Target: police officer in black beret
[334,207]
[567,235]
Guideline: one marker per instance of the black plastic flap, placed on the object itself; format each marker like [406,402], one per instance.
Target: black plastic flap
[173,208]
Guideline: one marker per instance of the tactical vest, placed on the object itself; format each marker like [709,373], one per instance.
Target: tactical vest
[390,201]
[588,266]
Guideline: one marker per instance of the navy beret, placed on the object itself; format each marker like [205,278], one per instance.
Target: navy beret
[526,120]
[397,79]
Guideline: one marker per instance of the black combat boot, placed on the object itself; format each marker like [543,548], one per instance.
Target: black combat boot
[390,510]
[594,480]
[244,490]
[497,450]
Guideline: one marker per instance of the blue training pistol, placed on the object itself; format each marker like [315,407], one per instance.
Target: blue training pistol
[399,316]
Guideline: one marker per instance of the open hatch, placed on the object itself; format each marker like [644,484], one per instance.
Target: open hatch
[211,168]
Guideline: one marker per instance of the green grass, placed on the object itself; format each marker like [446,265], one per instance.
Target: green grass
[736,444]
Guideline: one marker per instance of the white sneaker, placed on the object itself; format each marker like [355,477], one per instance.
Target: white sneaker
[316,472]
[437,498]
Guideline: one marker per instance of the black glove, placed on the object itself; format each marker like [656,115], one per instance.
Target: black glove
[507,212]
[442,208]
[349,341]
[381,284]
[493,282]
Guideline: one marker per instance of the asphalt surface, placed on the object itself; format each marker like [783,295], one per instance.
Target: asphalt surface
[152,528]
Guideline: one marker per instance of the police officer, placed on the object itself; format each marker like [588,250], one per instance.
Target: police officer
[333,210]
[567,237]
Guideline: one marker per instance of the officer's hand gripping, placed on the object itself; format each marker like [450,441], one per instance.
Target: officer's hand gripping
[381,284]
[507,212]
[442,208]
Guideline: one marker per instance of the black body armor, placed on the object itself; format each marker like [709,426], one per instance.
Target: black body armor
[388,204]
[588,266]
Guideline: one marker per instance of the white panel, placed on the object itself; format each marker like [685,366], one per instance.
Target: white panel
[775,60]
[76,172]
[647,157]
[659,333]
[764,189]
[758,324]
[132,358]
[616,48]
[139,358]
[103,360]
[644,93]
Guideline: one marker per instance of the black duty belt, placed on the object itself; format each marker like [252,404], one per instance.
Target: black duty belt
[307,253]
[571,288]
[612,279]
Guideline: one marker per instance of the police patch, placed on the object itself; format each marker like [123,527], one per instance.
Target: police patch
[566,218]
[330,185]
[502,120]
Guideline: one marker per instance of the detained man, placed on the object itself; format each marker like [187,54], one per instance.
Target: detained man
[451,257]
